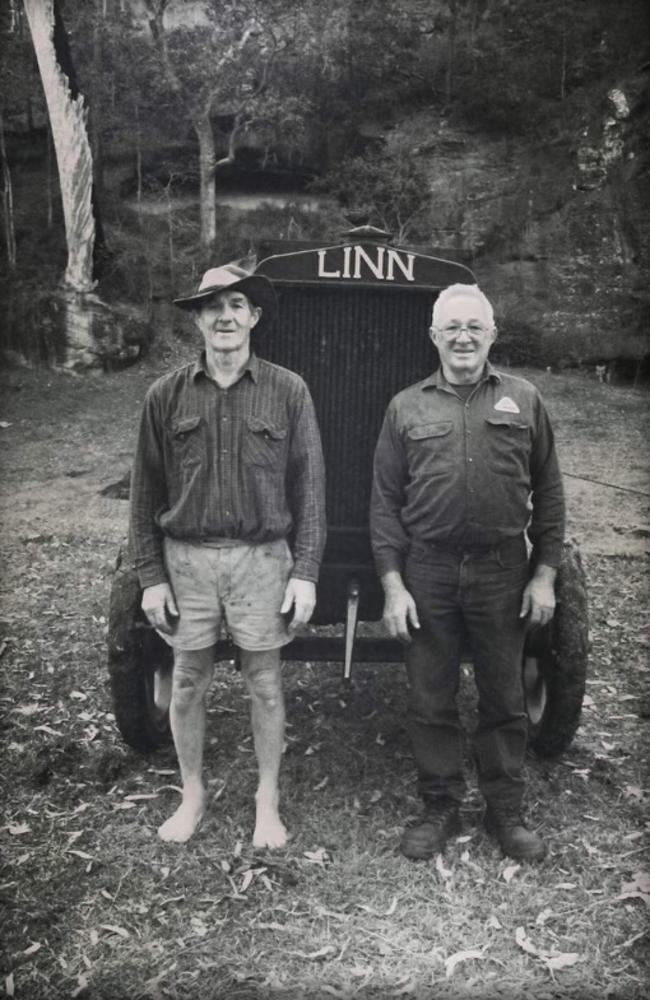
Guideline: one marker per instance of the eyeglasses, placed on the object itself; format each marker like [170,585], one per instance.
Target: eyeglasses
[474,329]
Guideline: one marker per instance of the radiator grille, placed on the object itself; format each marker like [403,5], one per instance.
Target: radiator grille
[355,348]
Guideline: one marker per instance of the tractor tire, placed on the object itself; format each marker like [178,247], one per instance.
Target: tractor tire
[555,663]
[135,652]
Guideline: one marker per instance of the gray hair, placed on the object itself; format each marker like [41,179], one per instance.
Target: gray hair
[452,291]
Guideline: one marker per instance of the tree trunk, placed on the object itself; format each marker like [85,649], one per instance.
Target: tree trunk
[138,160]
[451,51]
[207,160]
[48,177]
[68,120]
[7,201]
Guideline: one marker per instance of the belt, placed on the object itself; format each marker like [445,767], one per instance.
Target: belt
[506,546]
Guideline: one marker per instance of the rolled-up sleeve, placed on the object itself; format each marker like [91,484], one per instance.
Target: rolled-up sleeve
[547,523]
[148,498]
[306,488]
[389,540]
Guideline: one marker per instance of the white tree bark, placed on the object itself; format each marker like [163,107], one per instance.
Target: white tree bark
[73,154]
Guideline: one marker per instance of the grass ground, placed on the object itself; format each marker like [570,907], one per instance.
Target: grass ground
[94,906]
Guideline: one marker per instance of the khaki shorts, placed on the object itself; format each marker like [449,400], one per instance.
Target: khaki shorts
[234,588]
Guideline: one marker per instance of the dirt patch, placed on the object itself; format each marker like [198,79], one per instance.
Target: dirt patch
[95,906]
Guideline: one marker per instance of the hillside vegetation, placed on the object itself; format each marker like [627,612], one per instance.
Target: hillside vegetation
[512,133]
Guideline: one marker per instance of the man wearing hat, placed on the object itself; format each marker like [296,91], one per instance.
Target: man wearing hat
[228,467]
[465,466]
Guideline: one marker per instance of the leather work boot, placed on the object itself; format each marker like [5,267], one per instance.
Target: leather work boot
[515,839]
[441,820]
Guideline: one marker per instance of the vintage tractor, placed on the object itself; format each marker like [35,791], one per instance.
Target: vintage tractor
[352,321]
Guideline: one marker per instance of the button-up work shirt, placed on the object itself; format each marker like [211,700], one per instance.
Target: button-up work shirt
[466,474]
[243,463]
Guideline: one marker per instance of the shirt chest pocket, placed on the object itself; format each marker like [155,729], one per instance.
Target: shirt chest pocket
[265,443]
[188,440]
[430,443]
[507,446]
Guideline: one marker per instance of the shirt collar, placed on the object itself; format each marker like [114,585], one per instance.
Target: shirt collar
[438,381]
[251,368]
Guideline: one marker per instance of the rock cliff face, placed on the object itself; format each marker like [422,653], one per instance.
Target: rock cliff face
[559,239]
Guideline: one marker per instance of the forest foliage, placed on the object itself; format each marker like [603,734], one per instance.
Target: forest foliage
[192,94]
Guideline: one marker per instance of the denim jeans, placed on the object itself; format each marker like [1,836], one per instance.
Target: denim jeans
[468,600]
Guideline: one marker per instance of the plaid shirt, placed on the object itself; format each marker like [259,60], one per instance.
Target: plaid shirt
[466,474]
[242,463]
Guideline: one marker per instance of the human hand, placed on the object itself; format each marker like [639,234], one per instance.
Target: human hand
[301,596]
[399,608]
[159,606]
[538,599]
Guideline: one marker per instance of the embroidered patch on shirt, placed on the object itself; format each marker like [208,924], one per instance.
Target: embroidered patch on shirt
[507,405]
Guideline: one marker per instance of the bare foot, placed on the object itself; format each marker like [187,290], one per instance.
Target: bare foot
[180,827]
[162,688]
[270,831]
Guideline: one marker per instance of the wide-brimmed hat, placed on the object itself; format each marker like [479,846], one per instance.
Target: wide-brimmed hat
[232,277]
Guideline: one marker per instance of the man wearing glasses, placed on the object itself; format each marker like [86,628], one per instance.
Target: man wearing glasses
[465,467]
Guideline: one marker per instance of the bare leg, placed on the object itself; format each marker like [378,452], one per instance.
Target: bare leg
[191,679]
[162,688]
[262,674]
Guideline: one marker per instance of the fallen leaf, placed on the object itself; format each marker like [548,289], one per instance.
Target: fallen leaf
[508,873]
[33,948]
[556,962]
[9,984]
[376,795]
[317,857]
[114,929]
[565,885]
[640,881]
[27,710]
[141,796]
[440,868]
[494,922]
[94,936]
[407,989]
[198,926]
[4,424]
[460,956]
[542,917]
[391,909]
[633,792]
[524,942]
[313,956]
[18,829]
[247,879]
[82,980]
[80,854]
[321,784]
[48,730]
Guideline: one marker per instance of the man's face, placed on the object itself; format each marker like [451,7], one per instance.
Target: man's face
[226,320]
[463,335]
